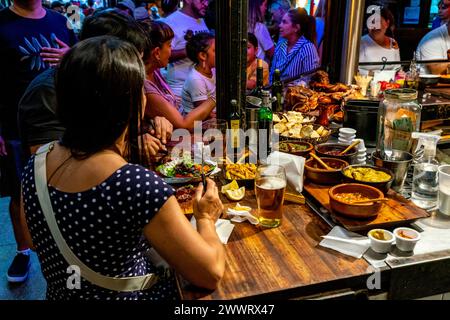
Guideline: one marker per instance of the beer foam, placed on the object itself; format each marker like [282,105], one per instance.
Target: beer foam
[273,183]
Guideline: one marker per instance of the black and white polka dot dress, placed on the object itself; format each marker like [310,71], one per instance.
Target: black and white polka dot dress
[103,227]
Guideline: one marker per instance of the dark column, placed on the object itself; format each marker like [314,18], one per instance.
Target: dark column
[231,54]
[333,40]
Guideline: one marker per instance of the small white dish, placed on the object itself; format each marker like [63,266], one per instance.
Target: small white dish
[406,238]
[381,240]
[347,131]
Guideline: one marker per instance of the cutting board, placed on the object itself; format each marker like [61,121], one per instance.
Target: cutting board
[396,212]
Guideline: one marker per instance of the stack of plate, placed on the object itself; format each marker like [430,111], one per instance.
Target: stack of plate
[346,135]
[362,152]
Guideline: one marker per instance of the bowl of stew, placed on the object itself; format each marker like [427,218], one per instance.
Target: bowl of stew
[316,174]
[332,150]
[344,200]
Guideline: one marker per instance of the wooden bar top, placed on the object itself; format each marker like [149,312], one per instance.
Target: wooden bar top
[279,262]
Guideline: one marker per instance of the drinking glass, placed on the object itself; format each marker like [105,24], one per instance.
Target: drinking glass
[444,189]
[270,186]
[214,134]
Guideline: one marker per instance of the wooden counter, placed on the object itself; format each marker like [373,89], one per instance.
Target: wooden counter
[284,262]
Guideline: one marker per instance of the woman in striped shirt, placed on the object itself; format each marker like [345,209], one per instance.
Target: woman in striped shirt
[295,53]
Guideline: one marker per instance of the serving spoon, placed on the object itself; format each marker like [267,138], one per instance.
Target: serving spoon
[323,164]
[370,200]
[354,144]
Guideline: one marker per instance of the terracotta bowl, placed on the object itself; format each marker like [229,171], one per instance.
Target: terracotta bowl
[382,186]
[350,156]
[284,146]
[360,210]
[318,175]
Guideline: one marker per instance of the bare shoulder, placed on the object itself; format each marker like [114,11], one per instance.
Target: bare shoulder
[75,175]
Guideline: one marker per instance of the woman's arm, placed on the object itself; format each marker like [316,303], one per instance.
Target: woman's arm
[198,256]
[158,106]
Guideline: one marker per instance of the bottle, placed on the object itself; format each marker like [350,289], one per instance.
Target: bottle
[259,79]
[277,91]
[265,124]
[412,76]
[425,178]
[235,126]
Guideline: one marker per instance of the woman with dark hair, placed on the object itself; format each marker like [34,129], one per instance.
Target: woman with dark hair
[101,210]
[379,44]
[296,52]
[161,101]
[200,85]
[255,24]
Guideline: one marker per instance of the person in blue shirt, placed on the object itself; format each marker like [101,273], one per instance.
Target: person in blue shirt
[32,40]
[295,53]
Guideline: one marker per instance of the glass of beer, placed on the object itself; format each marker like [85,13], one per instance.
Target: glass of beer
[270,185]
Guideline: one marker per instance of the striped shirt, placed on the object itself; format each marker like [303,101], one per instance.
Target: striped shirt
[302,58]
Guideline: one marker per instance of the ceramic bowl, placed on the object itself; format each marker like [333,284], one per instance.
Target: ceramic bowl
[406,238]
[378,245]
[355,210]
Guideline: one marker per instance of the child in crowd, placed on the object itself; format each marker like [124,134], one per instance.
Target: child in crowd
[252,49]
[161,100]
[201,81]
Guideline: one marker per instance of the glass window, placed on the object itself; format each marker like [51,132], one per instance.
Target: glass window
[433,12]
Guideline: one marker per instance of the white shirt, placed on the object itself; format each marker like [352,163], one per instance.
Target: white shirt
[370,51]
[197,88]
[265,42]
[434,44]
[178,71]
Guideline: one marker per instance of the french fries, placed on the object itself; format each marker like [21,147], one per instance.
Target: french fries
[240,171]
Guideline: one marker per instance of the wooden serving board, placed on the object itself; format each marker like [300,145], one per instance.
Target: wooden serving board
[395,212]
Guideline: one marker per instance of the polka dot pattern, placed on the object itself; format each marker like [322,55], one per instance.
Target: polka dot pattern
[103,227]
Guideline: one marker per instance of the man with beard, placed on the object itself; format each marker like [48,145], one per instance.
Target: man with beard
[189,18]
[32,39]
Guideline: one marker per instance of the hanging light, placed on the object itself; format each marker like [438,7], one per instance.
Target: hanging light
[301,3]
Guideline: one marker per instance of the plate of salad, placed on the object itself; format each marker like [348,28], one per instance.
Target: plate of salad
[184,170]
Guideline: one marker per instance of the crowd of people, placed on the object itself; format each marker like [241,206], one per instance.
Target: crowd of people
[96,93]
[379,43]
[98,96]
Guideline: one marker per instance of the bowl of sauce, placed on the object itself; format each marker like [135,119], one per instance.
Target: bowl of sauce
[332,150]
[381,240]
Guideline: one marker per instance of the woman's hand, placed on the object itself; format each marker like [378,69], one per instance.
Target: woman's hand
[54,55]
[163,129]
[207,206]
[152,145]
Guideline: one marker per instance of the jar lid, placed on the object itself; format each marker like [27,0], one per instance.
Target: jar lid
[401,94]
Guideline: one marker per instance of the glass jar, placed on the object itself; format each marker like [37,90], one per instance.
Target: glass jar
[398,116]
